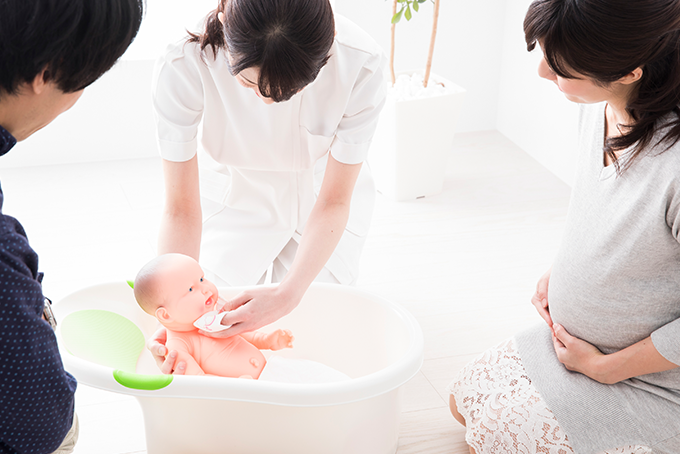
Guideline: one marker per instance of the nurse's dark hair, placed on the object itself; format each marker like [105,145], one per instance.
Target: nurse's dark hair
[607,39]
[287,40]
[74,41]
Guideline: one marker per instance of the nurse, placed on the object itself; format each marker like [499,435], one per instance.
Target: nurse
[264,120]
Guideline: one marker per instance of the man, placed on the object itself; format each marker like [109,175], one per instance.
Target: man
[50,50]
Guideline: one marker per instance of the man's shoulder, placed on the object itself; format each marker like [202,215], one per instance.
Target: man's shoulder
[10,226]
[16,254]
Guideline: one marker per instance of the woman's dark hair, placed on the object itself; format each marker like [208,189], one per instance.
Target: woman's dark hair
[287,40]
[76,41]
[606,39]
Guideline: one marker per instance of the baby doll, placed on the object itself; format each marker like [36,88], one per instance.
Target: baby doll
[172,287]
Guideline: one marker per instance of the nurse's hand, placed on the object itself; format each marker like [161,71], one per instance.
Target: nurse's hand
[255,308]
[164,360]
[540,298]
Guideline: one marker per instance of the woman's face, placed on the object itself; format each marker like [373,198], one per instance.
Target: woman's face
[582,90]
[248,78]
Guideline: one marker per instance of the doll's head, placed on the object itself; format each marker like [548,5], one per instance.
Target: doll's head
[172,287]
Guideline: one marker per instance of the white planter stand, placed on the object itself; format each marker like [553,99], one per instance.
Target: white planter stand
[411,146]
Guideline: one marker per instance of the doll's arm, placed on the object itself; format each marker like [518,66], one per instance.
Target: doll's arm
[277,340]
[183,354]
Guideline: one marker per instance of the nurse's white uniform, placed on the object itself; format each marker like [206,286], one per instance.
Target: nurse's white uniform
[261,165]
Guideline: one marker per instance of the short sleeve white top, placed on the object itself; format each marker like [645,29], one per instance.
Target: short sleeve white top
[261,165]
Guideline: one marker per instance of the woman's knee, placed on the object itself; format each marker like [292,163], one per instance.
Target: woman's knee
[454,410]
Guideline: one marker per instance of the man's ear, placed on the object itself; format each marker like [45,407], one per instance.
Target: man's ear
[632,76]
[40,81]
[163,315]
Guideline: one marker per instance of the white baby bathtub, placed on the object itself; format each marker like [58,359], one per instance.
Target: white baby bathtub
[379,345]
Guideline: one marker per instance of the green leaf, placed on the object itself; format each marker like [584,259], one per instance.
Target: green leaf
[408,14]
[415,6]
[397,17]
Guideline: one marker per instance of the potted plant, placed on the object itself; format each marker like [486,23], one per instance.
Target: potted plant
[415,131]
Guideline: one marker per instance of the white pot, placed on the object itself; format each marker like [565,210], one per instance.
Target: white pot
[411,145]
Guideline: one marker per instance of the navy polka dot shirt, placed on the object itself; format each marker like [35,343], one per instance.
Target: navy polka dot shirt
[36,394]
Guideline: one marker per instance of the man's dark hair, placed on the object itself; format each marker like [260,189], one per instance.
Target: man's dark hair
[75,41]
[287,40]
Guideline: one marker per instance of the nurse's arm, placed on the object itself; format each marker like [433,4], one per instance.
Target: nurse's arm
[180,229]
[263,305]
[324,228]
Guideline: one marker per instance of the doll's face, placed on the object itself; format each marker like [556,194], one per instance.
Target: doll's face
[185,293]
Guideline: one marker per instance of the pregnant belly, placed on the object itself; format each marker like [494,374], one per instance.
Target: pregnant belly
[607,324]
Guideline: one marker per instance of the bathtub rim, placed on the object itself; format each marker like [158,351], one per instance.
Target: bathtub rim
[234,389]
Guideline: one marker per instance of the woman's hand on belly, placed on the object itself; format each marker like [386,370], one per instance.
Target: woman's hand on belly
[540,298]
[577,355]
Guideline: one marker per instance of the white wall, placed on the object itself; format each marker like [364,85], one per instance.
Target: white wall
[467,51]
[113,119]
[480,46]
[532,112]
[164,22]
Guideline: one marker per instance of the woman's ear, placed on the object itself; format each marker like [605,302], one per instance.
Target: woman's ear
[221,17]
[632,76]
[163,315]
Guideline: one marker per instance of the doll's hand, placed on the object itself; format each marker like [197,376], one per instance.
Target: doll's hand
[279,339]
[164,360]
[540,298]
[577,355]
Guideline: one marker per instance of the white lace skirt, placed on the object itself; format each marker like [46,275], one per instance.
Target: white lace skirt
[504,412]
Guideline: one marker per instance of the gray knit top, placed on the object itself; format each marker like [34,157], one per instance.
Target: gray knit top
[614,282]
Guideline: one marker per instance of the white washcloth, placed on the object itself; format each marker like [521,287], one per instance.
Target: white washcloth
[212,321]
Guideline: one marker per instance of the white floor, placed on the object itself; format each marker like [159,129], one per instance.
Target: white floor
[464,262]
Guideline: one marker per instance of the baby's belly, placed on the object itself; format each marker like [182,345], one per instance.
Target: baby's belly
[235,360]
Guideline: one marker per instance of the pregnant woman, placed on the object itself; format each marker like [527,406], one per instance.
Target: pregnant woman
[601,374]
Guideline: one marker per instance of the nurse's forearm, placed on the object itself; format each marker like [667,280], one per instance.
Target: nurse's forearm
[180,233]
[322,233]
[180,229]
